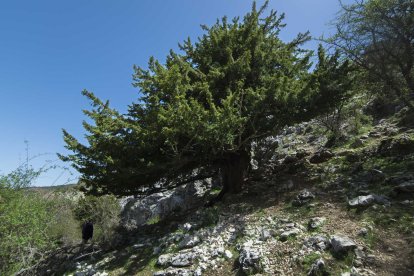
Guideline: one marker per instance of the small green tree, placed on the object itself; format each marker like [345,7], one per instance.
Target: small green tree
[378,35]
[201,110]
[24,218]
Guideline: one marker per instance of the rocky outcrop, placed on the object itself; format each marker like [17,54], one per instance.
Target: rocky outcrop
[321,156]
[401,145]
[137,212]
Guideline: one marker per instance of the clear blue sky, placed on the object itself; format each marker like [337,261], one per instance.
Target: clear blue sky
[51,50]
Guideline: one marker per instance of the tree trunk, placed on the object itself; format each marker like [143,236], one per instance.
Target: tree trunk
[233,170]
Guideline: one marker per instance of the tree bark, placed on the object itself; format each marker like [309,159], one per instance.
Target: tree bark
[233,170]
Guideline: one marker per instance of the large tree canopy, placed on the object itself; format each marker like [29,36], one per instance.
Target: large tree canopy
[379,36]
[200,111]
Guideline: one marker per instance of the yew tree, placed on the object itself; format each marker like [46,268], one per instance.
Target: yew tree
[199,111]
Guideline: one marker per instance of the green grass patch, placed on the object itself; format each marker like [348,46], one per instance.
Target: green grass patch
[309,260]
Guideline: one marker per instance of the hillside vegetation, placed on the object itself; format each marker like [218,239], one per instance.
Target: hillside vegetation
[245,155]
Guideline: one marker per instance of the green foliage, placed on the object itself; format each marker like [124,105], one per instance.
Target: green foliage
[371,238]
[64,227]
[204,107]
[378,35]
[103,211]
[347,119]
[22,177]
[25,221]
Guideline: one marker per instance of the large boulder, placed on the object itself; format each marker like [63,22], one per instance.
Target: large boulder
[342,244]
[138,211]
[368,200]
[401,145]
[321,156]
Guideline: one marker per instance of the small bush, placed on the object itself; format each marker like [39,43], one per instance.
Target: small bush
[25,221]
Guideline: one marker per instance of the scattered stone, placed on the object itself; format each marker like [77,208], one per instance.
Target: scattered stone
[342,244]
[254,164]
[187,227]
[289,233]
[321,156]
[164,260]
[174,272]
[270,220]
[317,268]
[285,220]
[138,246]
[189,242]
[376,176]
[250,260]
[157,250]
[265,235]
[365,201]
[218,252]
[182,259]
[303,197]
[359,253]
[316,222]
[359,272]
[317,242]
[363,232]
[228,254]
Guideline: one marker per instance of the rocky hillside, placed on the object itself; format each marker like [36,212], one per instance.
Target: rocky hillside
[306,210]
